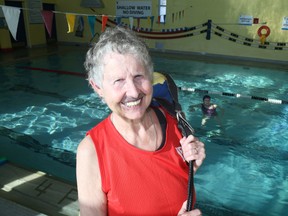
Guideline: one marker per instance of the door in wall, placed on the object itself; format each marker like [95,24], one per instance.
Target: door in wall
[53,38]
[21,40]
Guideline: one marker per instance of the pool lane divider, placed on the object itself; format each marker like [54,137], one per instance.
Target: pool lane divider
[275,101]
[270,100]
[54,71]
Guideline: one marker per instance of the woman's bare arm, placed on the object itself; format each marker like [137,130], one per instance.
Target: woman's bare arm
[92,200]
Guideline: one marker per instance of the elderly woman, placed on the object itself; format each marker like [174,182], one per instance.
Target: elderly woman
[130,164]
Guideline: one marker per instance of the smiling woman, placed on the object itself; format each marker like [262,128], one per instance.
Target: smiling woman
[132,139]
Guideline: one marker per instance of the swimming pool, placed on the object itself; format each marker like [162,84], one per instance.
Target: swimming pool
[47,107]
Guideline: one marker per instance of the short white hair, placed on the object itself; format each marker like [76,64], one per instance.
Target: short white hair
[119,40]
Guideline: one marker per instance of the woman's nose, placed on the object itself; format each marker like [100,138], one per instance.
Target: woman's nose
[132,89]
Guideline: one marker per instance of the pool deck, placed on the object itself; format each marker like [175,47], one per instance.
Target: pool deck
[21,54]
[29,192]
[9,208]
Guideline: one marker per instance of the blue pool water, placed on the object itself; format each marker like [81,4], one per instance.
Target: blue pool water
[45,113]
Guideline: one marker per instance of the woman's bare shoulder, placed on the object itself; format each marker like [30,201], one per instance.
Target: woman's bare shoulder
[86,147]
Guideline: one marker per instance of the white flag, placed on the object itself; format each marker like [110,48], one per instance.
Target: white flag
[11,15]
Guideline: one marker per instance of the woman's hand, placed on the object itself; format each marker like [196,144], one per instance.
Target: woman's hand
[193,149]
[183,212]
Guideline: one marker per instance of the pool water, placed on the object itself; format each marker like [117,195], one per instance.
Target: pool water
[45,113]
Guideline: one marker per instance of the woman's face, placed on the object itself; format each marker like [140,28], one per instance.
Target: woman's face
[126,86]
[206,101]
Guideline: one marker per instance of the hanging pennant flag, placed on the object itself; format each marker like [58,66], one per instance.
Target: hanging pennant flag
[71,22]
[182,13]
[118,20]
[164,18]
[159,20]
[149,21]
[152,21]
[11,15]
[47,17]
[138,24]
[80,26]
[172,17]
[104,21]
[131,20]
[91,20]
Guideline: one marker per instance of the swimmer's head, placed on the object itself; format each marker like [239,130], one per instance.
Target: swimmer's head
[206,97]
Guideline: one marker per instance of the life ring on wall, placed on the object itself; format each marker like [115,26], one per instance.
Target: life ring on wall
[263,36]
[267,31]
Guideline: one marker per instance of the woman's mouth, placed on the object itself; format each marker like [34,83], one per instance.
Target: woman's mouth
[132,103]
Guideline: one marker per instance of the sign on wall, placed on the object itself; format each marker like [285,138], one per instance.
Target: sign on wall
[35,12]
[285,23]
[245,20]
[133,8]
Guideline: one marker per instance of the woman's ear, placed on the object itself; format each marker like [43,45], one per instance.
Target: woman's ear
[96,88]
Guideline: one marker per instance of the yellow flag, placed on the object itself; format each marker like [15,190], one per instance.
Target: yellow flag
[149,21]
[71,22]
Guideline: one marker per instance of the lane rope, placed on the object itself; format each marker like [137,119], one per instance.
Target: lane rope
[270,100]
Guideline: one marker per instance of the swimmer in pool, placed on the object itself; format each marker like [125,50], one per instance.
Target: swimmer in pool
[208,109]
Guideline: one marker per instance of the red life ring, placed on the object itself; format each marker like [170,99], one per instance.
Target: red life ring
[267,31]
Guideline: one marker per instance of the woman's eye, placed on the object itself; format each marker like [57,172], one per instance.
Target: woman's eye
[118,81]
[138,77]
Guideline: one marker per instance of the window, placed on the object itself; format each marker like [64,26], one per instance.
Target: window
[162,10]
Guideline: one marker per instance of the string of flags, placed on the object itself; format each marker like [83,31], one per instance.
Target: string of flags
[75,21]
[12,15]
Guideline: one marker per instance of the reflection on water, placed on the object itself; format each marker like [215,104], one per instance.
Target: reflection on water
[61,155]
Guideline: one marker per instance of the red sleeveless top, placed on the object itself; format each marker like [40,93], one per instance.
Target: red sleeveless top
[139,182]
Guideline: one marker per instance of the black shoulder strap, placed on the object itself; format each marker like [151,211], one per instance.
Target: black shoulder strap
[173,89]
[176,110]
